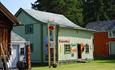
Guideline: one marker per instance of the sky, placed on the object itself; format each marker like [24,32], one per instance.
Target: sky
[14,5]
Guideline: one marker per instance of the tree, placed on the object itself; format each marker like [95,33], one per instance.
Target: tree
[80,12]
[98,10]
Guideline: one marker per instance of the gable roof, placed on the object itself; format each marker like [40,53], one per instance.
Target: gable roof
[58,19]
[8,14]
[102,26]
[16,37]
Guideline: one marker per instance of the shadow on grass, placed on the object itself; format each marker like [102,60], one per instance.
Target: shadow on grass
[39,64]
[105,60]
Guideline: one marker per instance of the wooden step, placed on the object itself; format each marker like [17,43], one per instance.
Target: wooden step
[1,64]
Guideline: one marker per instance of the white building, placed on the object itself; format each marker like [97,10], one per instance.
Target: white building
[18,50]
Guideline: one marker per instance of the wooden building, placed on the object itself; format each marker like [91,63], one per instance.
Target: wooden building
[7,20]
[104,38]
[69,36]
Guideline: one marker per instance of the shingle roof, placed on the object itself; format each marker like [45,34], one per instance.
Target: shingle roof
[58,19]
[46,16]
[101,26]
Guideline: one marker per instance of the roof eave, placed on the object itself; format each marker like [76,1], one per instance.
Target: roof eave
[8,14]
[79,28]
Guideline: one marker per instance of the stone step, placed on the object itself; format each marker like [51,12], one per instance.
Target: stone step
[81,61]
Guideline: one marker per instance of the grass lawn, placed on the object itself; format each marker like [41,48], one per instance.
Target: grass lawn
[93,65]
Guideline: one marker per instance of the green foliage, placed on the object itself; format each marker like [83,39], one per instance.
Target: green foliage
[98,10]
[79,11]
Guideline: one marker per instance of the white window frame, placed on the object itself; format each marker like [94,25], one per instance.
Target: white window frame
[110,47]
[67,51]
[111,32]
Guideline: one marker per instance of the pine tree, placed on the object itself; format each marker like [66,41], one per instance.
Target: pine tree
[97,10]
[80,12]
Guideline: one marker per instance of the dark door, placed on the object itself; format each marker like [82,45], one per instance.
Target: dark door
[79,51]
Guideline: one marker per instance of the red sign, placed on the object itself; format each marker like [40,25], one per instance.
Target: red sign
[51,27]
[64,41]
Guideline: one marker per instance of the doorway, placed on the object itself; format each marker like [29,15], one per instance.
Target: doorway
[79,50]
[14,58]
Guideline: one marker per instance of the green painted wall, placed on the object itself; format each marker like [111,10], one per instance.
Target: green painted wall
[37,38]
[34,38]
[40,33]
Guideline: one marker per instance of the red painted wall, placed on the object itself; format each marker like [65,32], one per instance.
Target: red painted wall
[101,44]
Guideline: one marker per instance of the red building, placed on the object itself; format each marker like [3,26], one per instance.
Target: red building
[102,44]
[104,38]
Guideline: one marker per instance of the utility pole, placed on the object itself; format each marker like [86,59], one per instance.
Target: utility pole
[54,45]
[49,58]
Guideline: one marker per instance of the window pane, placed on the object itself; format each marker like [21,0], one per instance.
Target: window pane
[51,35]
[113,32]
[110,34]
[86,48]
[21,51]
[29,28]
[31,47]
[67,48]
